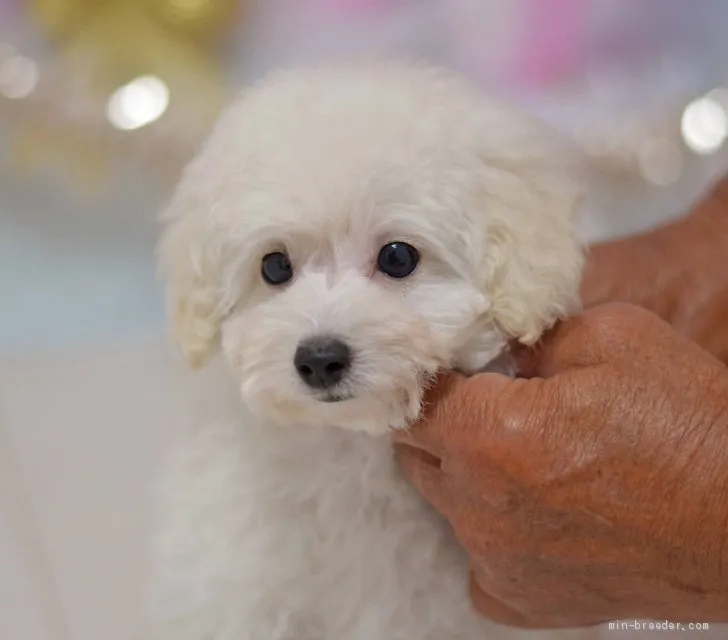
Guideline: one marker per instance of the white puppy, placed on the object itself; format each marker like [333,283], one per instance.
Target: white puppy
[345,233]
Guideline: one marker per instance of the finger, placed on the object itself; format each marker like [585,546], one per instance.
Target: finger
[424,472]
[425,434]
[494,609]
[453,406]
[564,347]
[410,437]
[497,610]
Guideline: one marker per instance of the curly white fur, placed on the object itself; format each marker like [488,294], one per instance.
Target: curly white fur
[289,521]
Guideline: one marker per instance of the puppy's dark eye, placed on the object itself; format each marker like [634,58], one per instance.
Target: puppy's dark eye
[397,259]
[276,268]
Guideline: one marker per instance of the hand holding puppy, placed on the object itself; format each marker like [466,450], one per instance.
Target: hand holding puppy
[594,489]
[677,271]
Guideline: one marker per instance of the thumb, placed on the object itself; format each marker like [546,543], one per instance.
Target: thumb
[454,404]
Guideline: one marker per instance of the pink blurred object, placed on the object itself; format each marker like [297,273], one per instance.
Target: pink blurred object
[555,41]
[529,45]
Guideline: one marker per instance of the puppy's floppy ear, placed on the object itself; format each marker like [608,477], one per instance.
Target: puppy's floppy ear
[193,285]
[191,261]
[534,259]
[196,249]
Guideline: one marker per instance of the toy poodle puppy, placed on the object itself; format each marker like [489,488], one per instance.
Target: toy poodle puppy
[346,232]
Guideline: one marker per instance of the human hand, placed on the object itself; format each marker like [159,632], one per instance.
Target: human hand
[676,271]
[596,489]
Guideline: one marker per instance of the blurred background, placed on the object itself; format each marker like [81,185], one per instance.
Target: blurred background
[102,102]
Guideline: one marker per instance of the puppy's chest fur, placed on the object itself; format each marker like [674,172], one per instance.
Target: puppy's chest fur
[306,534]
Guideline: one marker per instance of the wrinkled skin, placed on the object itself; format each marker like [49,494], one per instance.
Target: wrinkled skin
[595,486]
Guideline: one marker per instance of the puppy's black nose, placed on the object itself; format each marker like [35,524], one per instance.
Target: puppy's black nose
[322,362]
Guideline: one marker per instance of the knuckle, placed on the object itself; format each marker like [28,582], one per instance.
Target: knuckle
[517,410]
[507,500]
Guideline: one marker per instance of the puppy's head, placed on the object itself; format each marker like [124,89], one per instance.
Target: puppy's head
[348,231]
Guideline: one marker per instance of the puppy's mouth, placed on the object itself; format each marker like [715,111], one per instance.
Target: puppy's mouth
[332,397]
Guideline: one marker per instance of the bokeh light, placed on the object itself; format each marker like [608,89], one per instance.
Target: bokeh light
[138,103]
[18,77]
[704,125]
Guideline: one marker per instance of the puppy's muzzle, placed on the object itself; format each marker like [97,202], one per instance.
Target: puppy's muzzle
[322,362]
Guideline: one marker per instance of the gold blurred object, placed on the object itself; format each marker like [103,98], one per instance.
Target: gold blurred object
[202,19]
[198,19]
[63,18]
[135,80]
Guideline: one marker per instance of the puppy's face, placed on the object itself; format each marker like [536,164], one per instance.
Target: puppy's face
[349,312]
[348,232]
